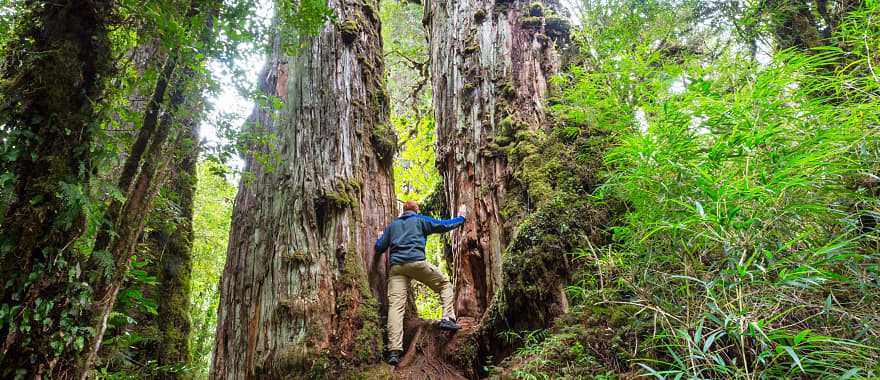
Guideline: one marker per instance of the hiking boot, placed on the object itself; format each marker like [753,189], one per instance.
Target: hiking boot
[394,358]
[449,324]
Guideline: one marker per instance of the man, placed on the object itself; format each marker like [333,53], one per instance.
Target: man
[406,236]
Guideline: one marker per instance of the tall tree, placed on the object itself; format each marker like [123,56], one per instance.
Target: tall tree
[490,63]
[141,175]
[53,74]
[175,259]
[301,289]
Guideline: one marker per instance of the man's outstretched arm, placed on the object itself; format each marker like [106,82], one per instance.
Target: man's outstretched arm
[383,241]
[436,226]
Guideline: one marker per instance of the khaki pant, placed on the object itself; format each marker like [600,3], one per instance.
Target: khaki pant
[423,272]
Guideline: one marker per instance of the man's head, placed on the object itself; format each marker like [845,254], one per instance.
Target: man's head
[411,206]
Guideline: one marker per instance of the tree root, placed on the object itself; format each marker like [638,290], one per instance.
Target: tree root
[432,353]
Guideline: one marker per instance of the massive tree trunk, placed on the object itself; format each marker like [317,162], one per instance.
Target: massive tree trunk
[490,63]
[54,72]
[301,291]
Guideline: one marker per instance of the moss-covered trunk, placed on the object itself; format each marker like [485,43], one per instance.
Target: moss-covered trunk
[176,261]
[807,24]
[52,76]
[127,219]
[491,63]
[301,291]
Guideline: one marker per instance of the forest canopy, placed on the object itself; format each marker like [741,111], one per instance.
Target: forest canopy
[654,188]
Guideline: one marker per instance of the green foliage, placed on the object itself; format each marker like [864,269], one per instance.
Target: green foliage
[588,342]
[211,223]
[406,56]
[8,9]
[415,178]
[301,19]
[415,173]
[742,249]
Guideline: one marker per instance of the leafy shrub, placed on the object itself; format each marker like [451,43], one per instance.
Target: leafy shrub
[749,190]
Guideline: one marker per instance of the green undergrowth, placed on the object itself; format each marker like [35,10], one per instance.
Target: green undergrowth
[742,209]
[552,215]
[587,342]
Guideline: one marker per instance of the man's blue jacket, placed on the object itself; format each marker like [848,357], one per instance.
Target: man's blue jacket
[406,236]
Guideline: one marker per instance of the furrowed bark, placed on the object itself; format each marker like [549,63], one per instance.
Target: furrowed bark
[54,71]
[490,63]
[301,291]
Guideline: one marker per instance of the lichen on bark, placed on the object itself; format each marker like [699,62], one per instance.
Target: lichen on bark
[302,292]
[490,71]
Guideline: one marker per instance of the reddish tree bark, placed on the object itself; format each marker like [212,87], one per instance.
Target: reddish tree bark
[301,290]
[490,62]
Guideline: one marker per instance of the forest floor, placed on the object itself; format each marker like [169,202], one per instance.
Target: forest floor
[432,353]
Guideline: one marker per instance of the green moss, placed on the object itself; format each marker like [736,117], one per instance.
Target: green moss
[546,208]
[340,200]
[531,22]
[557,27]
[293,359]
[372,372]
[435,203]
[503,140]
[587,342]
[509,126]
[296,256]
[360,305]
[472,48]
[536,9]
[384,141]
[349,30]
[479,16]
[506,90]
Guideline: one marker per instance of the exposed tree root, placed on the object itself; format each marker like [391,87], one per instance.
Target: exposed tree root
[435,354]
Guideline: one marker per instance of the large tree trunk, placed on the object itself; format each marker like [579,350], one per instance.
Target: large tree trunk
[54,71]
[301,291]
[490,62]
